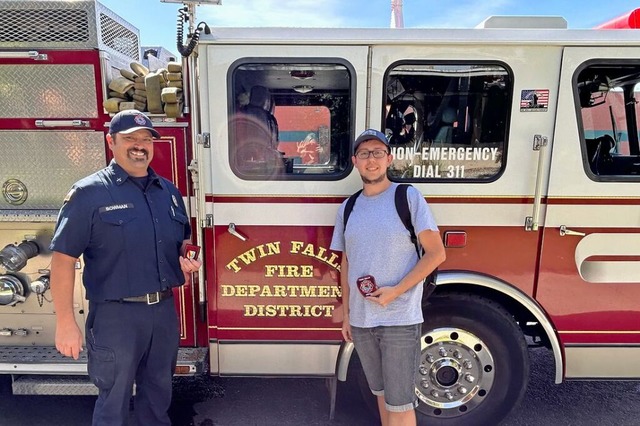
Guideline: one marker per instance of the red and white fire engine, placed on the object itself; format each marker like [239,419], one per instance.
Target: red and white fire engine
[522,135]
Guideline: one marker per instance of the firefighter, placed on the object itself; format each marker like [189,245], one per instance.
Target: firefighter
[131,227]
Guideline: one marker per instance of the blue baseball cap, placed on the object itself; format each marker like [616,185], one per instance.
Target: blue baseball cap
[129,121]
[368,135]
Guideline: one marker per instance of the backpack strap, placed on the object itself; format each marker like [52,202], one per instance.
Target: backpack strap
[348,208]
[402,207]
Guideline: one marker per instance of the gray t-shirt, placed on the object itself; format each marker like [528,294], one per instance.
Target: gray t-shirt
[377,243]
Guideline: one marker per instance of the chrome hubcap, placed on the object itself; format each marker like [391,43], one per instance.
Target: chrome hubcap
[456,372]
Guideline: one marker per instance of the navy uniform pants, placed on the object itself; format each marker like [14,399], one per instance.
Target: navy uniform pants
[132,342]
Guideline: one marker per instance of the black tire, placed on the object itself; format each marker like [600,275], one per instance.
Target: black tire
[474,362]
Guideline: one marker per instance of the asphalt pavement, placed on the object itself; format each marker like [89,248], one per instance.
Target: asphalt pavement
[293,402]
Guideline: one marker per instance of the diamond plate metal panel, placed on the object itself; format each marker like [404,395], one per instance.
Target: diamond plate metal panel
[47,91]
[38,354]
[47,163]
[58,24]
[53,385]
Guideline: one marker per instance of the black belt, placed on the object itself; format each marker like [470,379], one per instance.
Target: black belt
[150,298]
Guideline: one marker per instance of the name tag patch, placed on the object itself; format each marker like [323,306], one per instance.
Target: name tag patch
[115,207]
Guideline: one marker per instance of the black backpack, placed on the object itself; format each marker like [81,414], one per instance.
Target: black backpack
[402,207]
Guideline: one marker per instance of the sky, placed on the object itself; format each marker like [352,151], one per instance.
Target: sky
[156,20]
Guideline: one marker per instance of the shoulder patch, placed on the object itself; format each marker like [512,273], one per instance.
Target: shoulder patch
[69,195]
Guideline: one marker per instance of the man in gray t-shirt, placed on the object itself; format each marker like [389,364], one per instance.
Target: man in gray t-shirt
[385,325]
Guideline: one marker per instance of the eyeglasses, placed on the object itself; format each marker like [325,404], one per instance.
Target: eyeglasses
[378,153]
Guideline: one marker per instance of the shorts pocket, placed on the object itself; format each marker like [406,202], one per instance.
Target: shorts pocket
[101,366]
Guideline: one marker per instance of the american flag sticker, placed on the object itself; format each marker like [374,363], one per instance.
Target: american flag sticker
[534,100]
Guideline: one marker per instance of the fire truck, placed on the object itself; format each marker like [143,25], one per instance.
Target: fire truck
[521,134]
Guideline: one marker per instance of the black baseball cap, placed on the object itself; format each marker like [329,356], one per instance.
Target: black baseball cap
[129,121]
[368,135]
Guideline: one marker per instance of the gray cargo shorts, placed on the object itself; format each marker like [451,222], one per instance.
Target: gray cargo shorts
[390,357]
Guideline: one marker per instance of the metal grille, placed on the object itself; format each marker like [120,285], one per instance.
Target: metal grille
[48,91]
[119,38]
[63,24]
[34,25]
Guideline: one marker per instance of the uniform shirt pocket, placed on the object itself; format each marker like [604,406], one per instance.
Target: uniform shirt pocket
[117,217]
[179,221]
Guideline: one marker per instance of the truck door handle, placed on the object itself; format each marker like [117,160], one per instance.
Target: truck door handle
[232,231]
[62,123]
[31,54]
[540,143]
[564,231]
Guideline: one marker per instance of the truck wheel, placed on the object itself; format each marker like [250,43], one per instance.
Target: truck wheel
[474,364]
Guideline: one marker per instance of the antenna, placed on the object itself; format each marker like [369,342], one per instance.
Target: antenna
[396,14]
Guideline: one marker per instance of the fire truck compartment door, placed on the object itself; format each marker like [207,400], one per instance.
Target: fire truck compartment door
[48,91]
[590,285]
[37,168]
[273,215]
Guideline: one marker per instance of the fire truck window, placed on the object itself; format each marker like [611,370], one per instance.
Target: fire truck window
[447,122]
[290,121]
[607,96]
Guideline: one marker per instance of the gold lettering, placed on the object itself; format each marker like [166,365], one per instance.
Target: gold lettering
[295,247]
[323,291]
[336,292]
[233,265]
[266,291]
[227,290]
[307,271]
[315,311]
[288,271]
[293,271]
[332,261]
[256,290]
[298,247]
[321,254]
[328,310]
[269,270]
[308,251]
[293,290]
[248,256]
[273,248]
[309,291]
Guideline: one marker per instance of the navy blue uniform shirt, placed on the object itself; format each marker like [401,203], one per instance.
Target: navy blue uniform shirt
[130,237]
